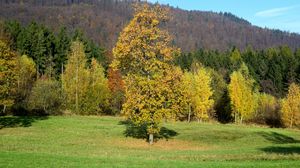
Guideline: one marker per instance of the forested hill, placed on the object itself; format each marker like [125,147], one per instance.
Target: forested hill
[102,20]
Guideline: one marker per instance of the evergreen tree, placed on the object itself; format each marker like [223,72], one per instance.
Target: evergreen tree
[63,43]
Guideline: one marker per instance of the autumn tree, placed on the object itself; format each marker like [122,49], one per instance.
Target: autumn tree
[235,58]
[267,110]
[8,76]
[242,94]
[198,92]
[291,106]
[96,99]
[143,54]
[116,86]
[187,89]
[26,73]
[46,96]
[75,79]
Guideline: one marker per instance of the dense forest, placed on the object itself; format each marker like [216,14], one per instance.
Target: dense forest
[145,77]
[102,21]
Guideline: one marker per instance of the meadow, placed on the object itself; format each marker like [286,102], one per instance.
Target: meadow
[93,141]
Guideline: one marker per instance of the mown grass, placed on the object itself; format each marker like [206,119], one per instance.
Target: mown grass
[78,141]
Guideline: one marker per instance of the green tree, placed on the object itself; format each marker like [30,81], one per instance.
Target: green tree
[46,95]
[8,76]
[75,79]
[143,55]
[219,87]
[62,48]
[26,73]
[235,58]
[97,97]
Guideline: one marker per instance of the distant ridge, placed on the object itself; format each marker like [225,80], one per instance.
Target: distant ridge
[102,20]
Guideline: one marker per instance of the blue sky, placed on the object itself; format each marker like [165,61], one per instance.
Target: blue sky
[275,14]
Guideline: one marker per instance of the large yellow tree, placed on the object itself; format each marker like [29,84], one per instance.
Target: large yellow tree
[144,55]
[242,95]
[291,106]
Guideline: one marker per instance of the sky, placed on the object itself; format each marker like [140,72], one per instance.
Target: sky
[274,14]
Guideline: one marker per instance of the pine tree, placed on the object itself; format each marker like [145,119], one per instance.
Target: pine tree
[62,48]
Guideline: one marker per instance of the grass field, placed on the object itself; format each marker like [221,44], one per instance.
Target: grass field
[79,141]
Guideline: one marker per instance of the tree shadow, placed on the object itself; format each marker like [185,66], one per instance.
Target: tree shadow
[19,121]
[282,150]
[277,138]
[140,132]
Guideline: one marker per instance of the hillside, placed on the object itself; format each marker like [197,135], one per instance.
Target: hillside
[77,141]
[102,20]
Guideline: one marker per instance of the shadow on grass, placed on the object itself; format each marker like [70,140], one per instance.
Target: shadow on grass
[19,121]
[277,138]
[140,132]
[282,150]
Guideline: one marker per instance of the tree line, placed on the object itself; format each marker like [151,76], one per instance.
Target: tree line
[149,80]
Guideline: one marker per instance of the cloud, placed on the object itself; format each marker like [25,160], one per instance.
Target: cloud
[274,12]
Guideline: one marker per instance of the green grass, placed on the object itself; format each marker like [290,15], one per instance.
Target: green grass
[79,141]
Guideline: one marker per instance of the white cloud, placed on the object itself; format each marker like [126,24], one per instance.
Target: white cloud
[274,12]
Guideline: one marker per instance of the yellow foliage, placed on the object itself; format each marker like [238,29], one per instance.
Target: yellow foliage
[198,92]
[8,75]
[291,107]
[143,55]
[26,73]
[243,99]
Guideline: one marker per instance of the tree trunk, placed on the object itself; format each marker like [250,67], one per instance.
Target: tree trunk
[4,108]
[37,72]
[241,120]
[235,118]
[62,76]
[76,90]
[151,139]
[189,116]
[291,122]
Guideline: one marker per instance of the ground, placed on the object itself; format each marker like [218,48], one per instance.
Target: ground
[80,141]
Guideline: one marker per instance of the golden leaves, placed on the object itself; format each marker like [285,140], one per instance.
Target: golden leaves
[241,93]
[291,106]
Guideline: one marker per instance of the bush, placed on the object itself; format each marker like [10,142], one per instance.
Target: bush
[46,97]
